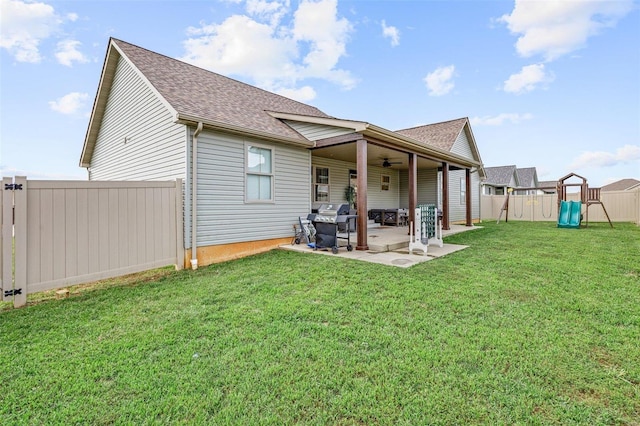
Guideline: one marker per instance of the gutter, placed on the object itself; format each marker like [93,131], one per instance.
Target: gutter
[194,198]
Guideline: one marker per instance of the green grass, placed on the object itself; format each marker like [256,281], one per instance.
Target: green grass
[529,325]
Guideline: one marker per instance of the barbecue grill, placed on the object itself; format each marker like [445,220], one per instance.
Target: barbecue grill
[329,221]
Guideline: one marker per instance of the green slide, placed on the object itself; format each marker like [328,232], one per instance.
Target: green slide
[570,214]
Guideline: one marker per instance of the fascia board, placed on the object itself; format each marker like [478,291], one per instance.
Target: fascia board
[216,125]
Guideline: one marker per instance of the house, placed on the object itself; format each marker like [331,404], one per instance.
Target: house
[258,160]
[548,186]
[622,185]
[523,181]
[499,179]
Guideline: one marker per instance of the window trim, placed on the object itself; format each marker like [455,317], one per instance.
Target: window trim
[463,191]
[316,184]
[247,173]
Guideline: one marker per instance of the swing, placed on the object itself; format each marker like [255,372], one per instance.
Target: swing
[542,209]
[521,207]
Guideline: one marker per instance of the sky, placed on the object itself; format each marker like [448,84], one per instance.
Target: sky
[548,84]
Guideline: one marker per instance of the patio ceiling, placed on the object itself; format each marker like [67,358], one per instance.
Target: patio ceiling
[375,156]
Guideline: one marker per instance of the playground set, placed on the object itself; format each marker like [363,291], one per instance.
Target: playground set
[569,212]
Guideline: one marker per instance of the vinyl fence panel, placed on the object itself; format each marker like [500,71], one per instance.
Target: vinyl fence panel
[622,206]
[70,232]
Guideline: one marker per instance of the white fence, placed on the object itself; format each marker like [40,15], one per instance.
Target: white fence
[61,233]
[622,206]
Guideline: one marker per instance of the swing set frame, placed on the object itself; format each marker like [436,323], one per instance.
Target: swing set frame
[588,197]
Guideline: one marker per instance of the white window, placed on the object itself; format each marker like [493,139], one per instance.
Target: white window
[463,191]
[259,171]
[321,184]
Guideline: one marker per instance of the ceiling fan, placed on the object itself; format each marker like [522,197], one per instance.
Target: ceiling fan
[387,163]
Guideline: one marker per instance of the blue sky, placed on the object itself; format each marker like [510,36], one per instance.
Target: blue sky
[548,84]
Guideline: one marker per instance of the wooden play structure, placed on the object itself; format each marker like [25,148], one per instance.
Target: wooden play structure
[569,212]
[588,196]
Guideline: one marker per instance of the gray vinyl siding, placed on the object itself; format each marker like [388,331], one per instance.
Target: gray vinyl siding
[155,147]
[223,215]
[376,197]
[428,192]
[427,187]
[457,207]
[462,147]
[476,188]
[315,132]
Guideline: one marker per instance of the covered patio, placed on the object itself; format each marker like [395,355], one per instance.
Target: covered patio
[430,164]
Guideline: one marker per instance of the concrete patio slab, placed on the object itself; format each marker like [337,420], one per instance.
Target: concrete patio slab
[390,248]
[400,258]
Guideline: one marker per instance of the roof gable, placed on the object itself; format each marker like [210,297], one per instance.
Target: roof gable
[195,94]
[198,93]
[444,136]
[440,135]
[527,177]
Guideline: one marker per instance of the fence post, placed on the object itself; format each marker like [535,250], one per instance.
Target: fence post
[7,239]
[20,232]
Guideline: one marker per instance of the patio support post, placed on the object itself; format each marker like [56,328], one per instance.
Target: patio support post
[361,195]
[445,196]
[467,181]
[413,186]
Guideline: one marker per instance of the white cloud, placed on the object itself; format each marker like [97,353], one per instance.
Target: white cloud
[391,32]
[500,119]
[23,25]
[242,46]
[70,104]
[317,24]
[275,54]
[528,79]
[272,11]
[628,154]
[303,94]
[556,28]
[439,82]
[67,52]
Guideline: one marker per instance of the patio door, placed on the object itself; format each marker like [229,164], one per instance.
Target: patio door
[353,183]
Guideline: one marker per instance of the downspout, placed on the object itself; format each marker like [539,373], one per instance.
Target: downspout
[194,199]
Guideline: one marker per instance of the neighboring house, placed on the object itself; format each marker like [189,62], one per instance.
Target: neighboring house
[259,160]
[527,178]
[548,186]
[622,185]
[499,179]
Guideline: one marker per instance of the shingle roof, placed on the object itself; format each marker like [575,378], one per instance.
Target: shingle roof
[440,135]
[214,98]
[547,183]
[621,185]
[526,177]
[499,176]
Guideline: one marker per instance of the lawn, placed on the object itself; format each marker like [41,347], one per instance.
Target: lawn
[529,325]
